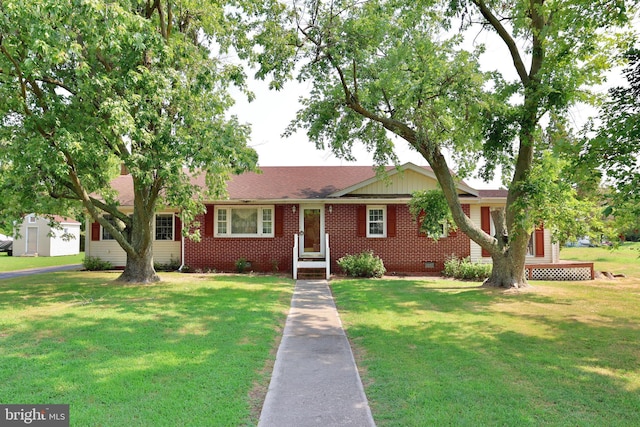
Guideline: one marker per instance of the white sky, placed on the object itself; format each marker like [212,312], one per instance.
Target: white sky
[271,112]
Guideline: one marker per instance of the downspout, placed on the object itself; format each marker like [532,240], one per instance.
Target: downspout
[181,250]
[182,253]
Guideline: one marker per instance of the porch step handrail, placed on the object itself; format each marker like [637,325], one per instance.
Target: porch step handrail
[296,256]
[327,256]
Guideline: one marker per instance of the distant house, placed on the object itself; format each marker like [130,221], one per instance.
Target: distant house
[35,236]
[291,218]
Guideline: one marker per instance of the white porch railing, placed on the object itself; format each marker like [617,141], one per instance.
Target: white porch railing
[320,263]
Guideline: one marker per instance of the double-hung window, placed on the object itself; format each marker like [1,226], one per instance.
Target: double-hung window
[376,221]
[244,221]
[105,233]
[164,227]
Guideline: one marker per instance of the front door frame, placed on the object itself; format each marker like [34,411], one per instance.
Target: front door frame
[321,252]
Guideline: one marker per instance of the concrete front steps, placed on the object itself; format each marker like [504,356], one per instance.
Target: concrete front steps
[312,269]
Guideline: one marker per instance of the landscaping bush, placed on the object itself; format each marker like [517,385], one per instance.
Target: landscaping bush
[242,265]
[93,263]
[365,264]
[172,265]
[465,269]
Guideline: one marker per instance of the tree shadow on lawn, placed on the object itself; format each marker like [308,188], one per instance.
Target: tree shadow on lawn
[436,295]
[136,356]
[462,360]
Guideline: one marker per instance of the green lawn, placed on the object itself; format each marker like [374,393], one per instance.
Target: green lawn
[12,263]
[441,352]
[625,259]
[192,350]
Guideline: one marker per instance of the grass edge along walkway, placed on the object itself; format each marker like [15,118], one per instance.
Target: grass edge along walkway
[442,352]
[190,350]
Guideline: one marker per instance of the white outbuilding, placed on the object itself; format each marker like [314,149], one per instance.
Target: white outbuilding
[36,237]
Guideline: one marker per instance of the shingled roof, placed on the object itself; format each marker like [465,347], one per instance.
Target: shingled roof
[285,183]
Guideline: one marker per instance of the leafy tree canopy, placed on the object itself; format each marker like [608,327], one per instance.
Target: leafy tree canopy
[383,68]
[615,149]
[88,85]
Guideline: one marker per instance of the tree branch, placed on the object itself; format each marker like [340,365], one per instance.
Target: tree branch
[506,37]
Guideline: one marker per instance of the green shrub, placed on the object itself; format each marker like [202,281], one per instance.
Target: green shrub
[365,264]
[242,264]
[465,269]
[93,263]
[172,265]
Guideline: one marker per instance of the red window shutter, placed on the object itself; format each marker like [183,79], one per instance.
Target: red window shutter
[362,221]
[539,242]
[279,226]
[419,221]
[177,232]
[485,224]
[95,231]
[208,222]
[391,220]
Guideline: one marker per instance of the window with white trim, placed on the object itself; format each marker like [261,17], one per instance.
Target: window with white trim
[444,229]
[164,227]
[105,233]
[376,221]
[531,246]
[244,221]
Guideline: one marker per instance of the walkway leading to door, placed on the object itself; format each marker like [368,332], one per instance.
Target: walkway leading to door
[315,381]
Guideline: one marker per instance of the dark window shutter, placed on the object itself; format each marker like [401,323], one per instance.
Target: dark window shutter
[539,236]
[362,221]
[485,224]
[279,226]
[177,232]
[208,222]
[95,231]
[391,220]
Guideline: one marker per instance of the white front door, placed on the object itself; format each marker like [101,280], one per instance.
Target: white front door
[312,231]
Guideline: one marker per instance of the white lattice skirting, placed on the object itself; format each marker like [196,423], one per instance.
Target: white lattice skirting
[560,273]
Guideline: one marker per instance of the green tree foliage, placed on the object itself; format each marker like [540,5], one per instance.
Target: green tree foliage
[432,210]
[88,85]
[615,150]
[392,68]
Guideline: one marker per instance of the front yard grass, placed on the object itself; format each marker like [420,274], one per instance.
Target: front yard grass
[192,350]
[625,259]
[12,263]
[444,352]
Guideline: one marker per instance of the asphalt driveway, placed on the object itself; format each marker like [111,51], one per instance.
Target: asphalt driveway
[32,271]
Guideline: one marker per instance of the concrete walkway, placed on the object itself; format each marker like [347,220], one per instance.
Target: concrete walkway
[315,381]
[31,271]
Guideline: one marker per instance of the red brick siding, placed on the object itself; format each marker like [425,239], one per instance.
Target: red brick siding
[221,253]
[405,253]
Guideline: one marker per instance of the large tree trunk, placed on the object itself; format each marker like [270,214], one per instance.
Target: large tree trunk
[507,272]
[508,249]
[139,267]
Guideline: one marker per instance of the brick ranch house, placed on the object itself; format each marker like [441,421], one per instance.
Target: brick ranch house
[290,219]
